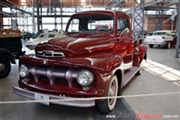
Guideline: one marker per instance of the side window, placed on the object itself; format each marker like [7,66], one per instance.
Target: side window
[51,35]
[122,24]
[74,26]
[167,34]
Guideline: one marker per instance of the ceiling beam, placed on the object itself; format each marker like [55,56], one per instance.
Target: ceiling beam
[5,13]
[8,5]
[145,5]
[154,8]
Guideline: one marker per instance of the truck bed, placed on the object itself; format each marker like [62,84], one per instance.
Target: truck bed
[13,44]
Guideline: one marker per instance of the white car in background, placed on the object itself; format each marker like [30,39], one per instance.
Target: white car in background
[43,37]
[163,38]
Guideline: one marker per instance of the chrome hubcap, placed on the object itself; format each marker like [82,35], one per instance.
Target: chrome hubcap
[112,92]
[2,67]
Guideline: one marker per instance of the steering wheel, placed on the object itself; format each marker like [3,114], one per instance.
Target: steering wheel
[103,29]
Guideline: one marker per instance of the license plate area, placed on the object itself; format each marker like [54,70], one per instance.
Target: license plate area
[41,98]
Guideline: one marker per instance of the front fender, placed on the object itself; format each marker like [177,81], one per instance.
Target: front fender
[103,64]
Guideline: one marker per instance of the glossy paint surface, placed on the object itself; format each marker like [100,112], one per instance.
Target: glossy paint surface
[100,52]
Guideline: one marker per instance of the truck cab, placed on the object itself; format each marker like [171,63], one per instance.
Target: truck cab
[95,58]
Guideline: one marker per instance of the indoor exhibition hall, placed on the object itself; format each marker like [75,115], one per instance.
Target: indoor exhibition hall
[89,60]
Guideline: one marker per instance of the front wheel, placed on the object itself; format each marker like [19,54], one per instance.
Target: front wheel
[5,67]
[108,105]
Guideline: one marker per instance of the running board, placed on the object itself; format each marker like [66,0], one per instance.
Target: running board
[129,74]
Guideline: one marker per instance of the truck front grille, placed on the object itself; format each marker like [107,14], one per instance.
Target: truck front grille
[49,53]
[54,75]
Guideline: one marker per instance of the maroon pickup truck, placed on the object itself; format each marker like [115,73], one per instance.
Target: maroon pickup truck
[96,57]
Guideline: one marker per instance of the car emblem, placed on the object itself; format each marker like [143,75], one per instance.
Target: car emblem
[45,61]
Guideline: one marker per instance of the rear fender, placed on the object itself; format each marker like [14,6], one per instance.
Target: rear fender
[7,54]
[140,53]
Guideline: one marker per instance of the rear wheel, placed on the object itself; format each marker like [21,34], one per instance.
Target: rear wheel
[5,67]
[168,45]
[151,46]
[108,105]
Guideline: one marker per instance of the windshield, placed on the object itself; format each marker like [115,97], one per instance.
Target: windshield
[159,33]
[90,23]
[47,35]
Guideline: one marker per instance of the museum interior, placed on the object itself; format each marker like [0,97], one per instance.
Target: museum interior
[89,60]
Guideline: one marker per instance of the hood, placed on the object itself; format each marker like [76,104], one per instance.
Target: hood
[80,43]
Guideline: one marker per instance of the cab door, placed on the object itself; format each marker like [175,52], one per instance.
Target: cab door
[125,41]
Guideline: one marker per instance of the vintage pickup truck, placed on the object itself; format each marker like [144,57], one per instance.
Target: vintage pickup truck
[89,61]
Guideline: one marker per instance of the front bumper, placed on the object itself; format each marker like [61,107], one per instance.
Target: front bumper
[32,95]
[155,43]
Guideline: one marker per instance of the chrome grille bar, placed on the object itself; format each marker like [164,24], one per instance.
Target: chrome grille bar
[49,53]
[52,73]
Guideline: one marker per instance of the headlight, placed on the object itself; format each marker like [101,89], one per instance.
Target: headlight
[23,71]
[85,77]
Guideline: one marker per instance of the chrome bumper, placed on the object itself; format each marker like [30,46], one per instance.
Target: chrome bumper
[156,43]
[31,95]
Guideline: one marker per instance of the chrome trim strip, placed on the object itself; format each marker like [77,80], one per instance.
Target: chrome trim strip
[50,53]
[128,65]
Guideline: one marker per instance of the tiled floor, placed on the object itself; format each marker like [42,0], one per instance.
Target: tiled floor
[160,77]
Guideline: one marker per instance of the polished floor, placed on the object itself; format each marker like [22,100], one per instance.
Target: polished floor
[153,95]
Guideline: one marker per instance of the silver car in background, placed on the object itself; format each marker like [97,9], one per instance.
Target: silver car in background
[43,37]
[163,38]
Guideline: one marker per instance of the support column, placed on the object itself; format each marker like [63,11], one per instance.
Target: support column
[138,19]
[39,17]
[159,16]
[14,22]
[1,19]
[25,21]
[61,14]
[33,19]
[178,33]
[173,16]
[55,15]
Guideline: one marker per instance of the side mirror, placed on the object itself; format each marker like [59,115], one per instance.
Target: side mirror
[126,30]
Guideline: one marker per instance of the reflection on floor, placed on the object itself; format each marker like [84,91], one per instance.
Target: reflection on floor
[167,73]
[160,71]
